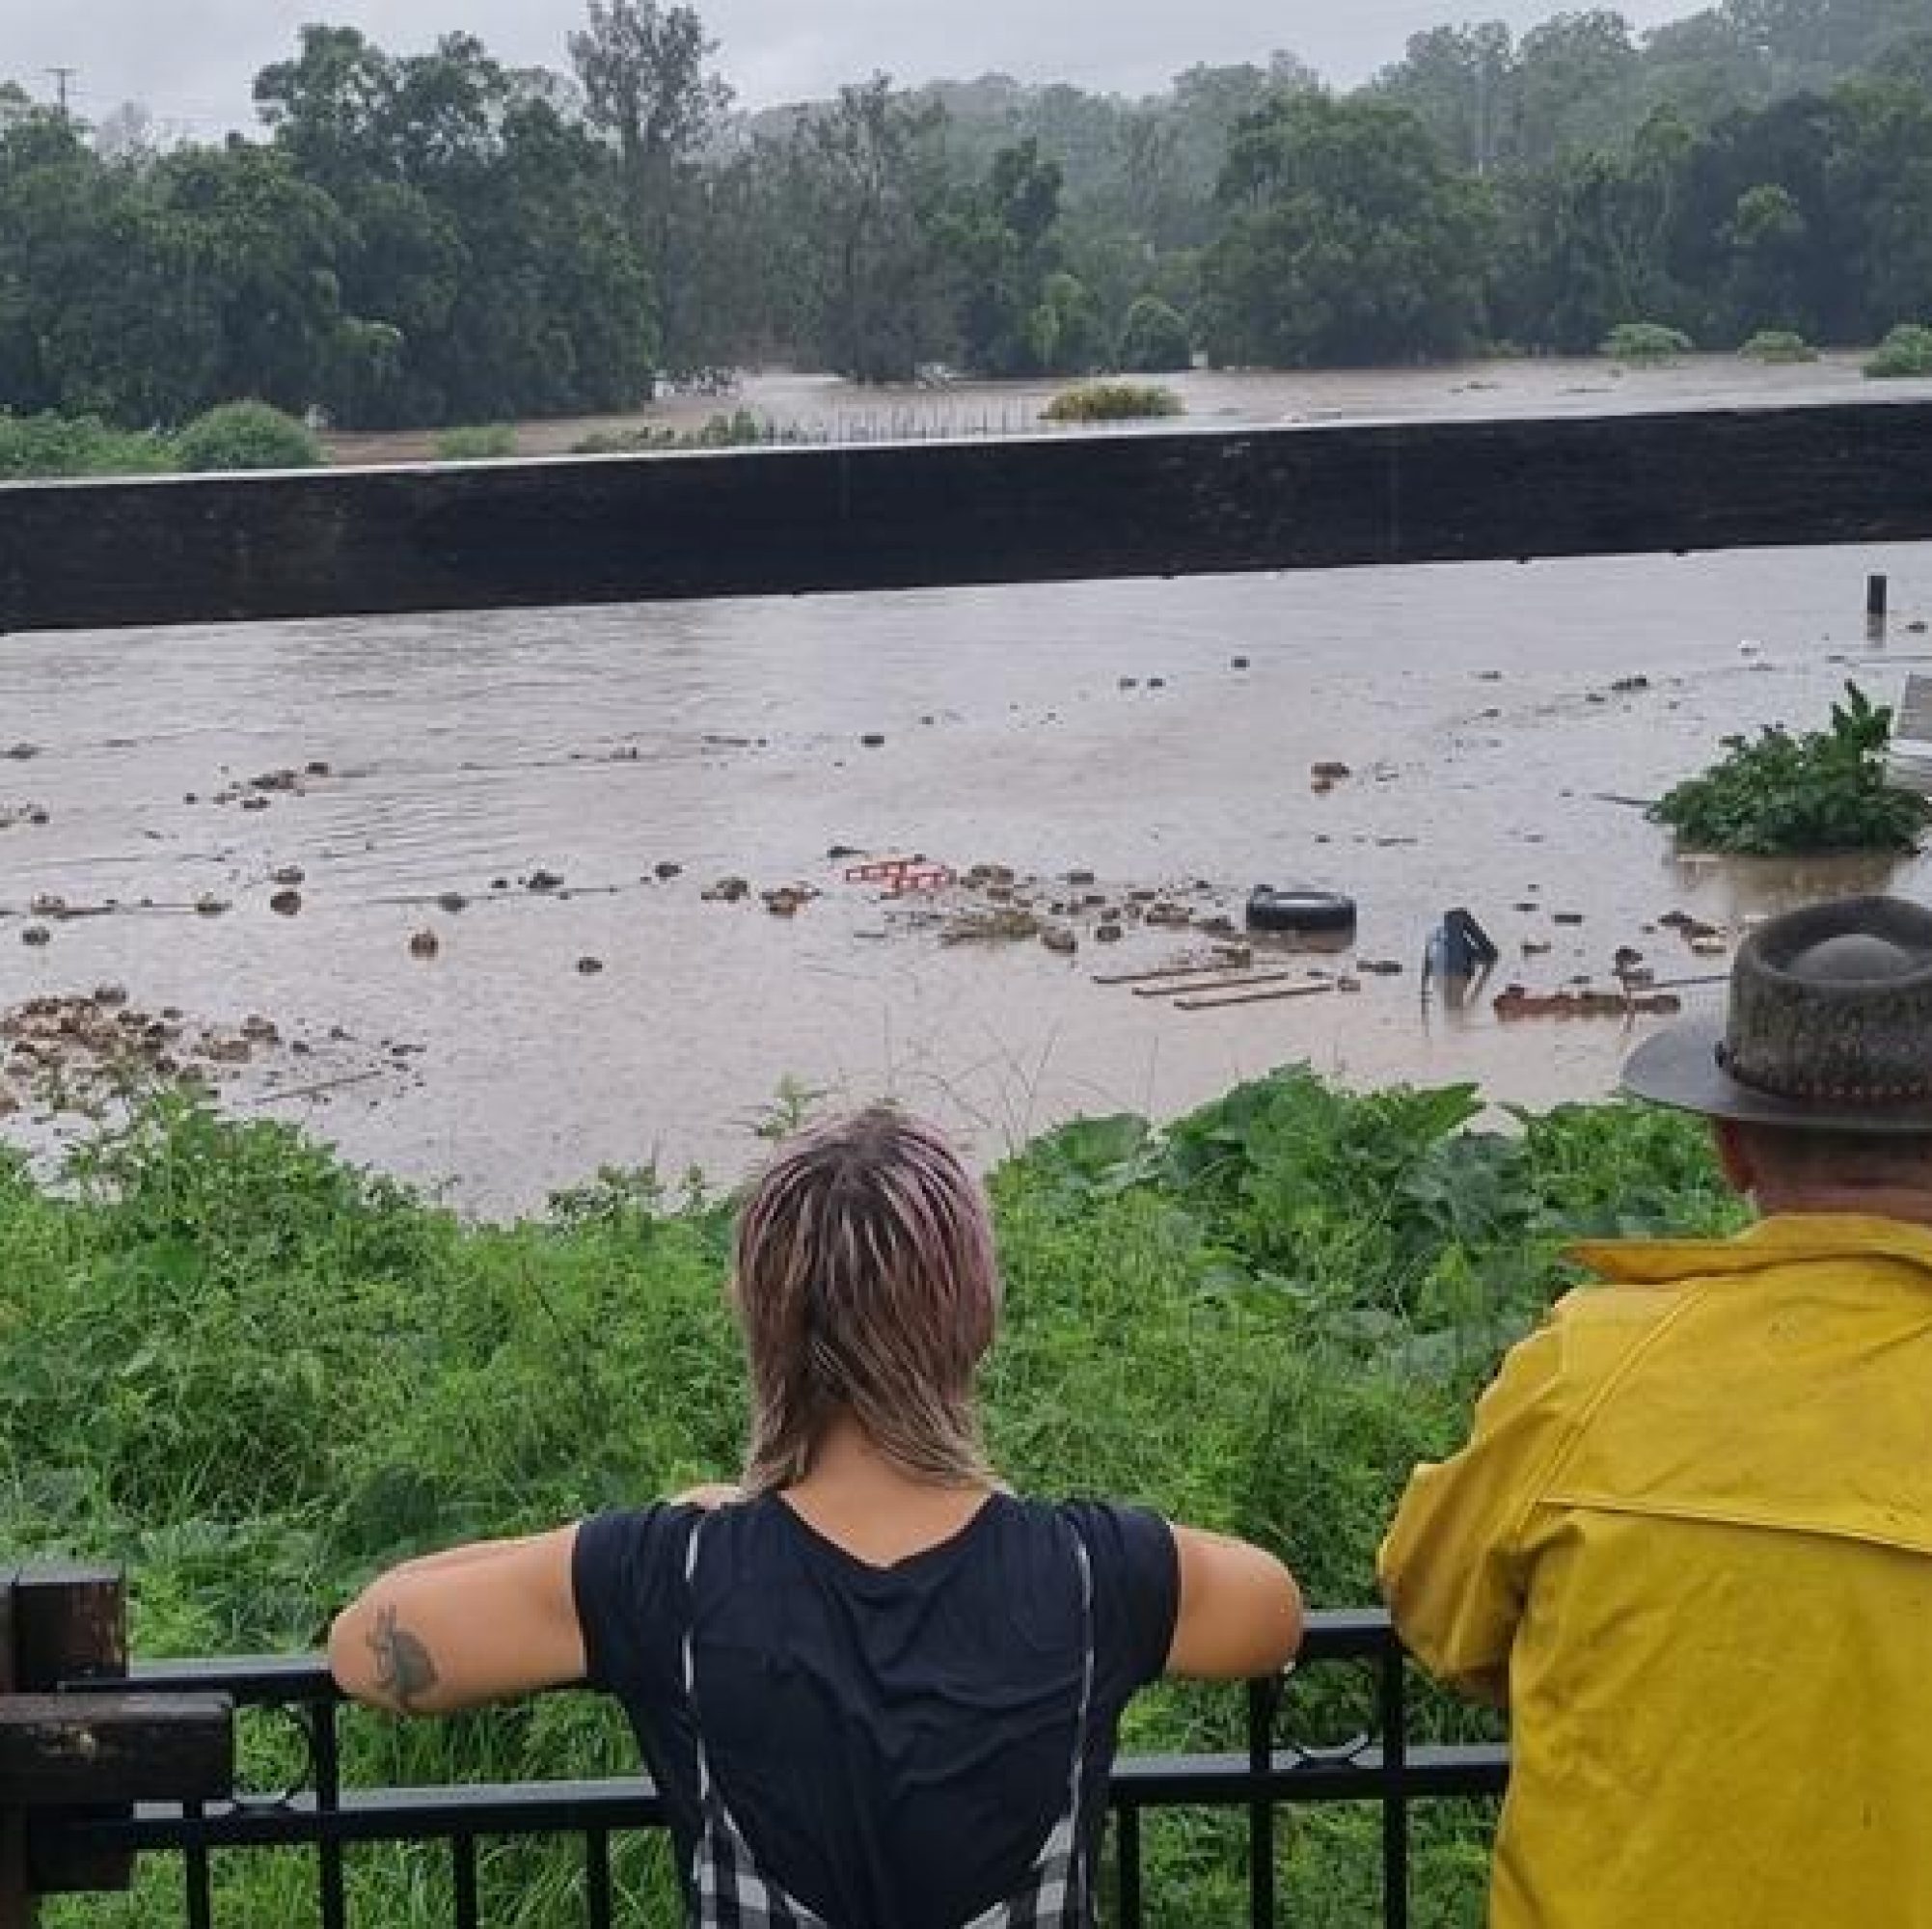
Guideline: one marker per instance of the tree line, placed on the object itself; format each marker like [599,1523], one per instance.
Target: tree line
[440,237]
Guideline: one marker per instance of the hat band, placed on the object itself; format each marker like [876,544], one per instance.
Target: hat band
[1815,1091]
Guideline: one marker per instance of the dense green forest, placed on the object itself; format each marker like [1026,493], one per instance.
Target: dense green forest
[438,237]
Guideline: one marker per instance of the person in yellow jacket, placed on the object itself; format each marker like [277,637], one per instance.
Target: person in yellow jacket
[1689,1543]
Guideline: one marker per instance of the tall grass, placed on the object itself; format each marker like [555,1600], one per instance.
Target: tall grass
[256,1376]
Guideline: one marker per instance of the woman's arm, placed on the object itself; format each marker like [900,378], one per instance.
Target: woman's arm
[476,1624]
[1239,1614]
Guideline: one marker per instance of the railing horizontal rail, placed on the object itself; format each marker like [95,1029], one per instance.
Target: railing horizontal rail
[1333,1634]
[364,542]
[446,1812]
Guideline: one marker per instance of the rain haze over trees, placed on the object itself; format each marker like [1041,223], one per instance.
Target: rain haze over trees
[439,237]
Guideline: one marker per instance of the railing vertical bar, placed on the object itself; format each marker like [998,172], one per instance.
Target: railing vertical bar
[1394,1699]
[1127,1851]
[331,1875]
[1261,1701]
[463,1857]
[597,1877]
[197,1877]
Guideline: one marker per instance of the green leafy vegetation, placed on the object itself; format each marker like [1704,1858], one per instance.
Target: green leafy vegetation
[440,237]
[740,429]
[1906,351]
[1646,343]
[56,445]
[256,1376]
[1778,793]
[246,435]
[1778,345]
[489,442]
[1113,401]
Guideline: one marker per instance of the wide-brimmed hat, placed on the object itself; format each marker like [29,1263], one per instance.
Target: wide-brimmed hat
[1830,1026]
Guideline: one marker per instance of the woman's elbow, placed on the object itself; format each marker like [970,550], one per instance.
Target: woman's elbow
[1285,1619]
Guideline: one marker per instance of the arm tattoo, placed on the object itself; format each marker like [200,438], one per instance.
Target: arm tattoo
[403,1669]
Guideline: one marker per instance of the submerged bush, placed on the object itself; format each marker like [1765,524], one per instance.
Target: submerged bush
[1906,351]
[1114,402]
[1646,343]
[740,429]
[1779,794]
[247,435]
[1776,345]
[489,442]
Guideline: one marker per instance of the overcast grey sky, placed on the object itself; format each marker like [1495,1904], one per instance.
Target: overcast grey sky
[191,60]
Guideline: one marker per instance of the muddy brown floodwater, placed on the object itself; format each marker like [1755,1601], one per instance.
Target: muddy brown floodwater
[420,1003]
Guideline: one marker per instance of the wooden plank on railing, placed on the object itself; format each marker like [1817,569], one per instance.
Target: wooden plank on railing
[786,520]
[71,1751]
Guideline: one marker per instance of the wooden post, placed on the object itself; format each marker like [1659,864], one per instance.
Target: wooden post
[70,1624]
[1877,599]
[17,1905]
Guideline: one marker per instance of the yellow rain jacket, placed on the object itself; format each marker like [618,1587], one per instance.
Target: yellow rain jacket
[1690,1541]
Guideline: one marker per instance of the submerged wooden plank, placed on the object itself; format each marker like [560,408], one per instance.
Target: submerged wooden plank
[787,521]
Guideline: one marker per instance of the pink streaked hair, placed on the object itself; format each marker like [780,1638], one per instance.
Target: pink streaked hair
[865,1281]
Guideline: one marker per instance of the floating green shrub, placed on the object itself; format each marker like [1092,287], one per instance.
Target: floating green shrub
[1778,793]
[1647,343]
[1778,345]
[1114,402]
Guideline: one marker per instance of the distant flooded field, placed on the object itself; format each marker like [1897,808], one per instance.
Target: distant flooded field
[466,874]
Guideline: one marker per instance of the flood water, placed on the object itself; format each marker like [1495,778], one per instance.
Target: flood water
[1098,727]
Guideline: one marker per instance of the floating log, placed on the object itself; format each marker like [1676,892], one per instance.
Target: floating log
[1234,982]
[1214,1001]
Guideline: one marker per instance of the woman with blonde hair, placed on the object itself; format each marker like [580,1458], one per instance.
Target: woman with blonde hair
[876,1688]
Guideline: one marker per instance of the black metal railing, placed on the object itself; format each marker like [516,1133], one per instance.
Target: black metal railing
[1381,1765]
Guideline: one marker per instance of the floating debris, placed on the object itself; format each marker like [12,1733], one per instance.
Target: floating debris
[1516,1003]
[589,968]
[1003,924]
[425,944]
[285,904]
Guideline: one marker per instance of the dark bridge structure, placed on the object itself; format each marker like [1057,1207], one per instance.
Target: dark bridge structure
[102,1760]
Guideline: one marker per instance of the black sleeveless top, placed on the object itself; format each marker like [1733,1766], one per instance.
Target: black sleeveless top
[893,1742]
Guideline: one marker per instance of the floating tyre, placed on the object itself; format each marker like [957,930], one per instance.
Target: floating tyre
[1323,916]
